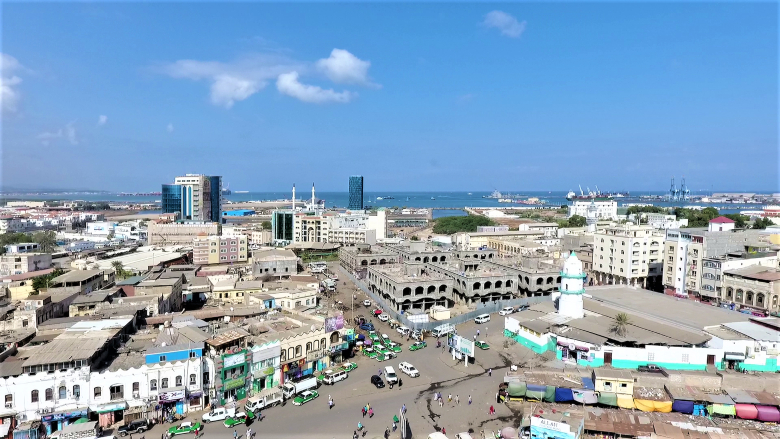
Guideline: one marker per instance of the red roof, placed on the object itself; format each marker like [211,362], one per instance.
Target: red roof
[721,219]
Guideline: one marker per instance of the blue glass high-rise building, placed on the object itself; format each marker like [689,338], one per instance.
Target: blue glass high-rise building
[355,192]
[194,197]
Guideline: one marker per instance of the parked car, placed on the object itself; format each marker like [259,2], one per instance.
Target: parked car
[134,427]
[416,334]
[385,356]
[482,344]
[394,347]
[417,345]
[366,303]
[305,397]
[368,326]
[378,312]
[376,380]
[522,308]
[506,310]
[369,352]
[403,330]
[349,367]
[184,428]
[218,414]
[384,317]
[408,369]
[652,368]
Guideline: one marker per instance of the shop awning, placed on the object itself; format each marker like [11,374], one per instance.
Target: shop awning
[133,403]
[109,407]
[516,389]
[608,398]
[768,413]
[722,409]
[562,394]
[746,411]
[647,405]
[682,406]
[583,396]
[625,401]
[736,356]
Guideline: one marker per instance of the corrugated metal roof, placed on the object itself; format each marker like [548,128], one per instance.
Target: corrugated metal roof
[754,331]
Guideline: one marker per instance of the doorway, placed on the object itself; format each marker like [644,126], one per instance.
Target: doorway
[710,360]
[608,358]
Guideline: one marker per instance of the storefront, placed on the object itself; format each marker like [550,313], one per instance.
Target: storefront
[572,352]
[234,377]
[172,402]
[733,360]
[137,410]
[109,414]
[337,351]
[294,370]
[195,400]
[56,421]
[264,366]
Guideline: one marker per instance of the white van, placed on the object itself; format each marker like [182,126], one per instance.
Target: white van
[482,318]
[332,377]
[390,375]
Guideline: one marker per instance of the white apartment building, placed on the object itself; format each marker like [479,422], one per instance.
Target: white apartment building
[628,254]
[19,263]
[100,228]
[605,209]
[713,269]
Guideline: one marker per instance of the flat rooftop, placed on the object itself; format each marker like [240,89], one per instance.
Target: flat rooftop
[398,274]
[757,272]
[663,308]
[76,276]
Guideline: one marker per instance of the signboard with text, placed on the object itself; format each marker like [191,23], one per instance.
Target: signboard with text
[463,345]
[334,323]
[233,360]
[234,384]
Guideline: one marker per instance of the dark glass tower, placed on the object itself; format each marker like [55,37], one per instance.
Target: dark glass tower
[216,199]
[355,192]
[171,198]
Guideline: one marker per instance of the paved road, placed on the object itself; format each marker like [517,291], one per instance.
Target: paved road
[439,372]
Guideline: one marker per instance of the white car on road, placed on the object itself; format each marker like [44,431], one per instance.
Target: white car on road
[408,369]
[506,310]
[403,330]
[384,317]
[366,303]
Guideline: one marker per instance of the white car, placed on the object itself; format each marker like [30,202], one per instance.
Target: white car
[408,369]
[384,317]
[366,303]
[506,310]
[403,330]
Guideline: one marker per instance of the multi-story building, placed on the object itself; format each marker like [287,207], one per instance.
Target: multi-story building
[480,240]
[180,233]
[411,286]
[20,263]
[195,197]
[605,208]
[358,228]
[755,288]
[310,227]
[274,262]
[23,247]
[549,229]
[219,249]
[168,290]
[685,249]
[282,222]
[628,254]
[83,281]
[357,258]
[714,267]
[355,192]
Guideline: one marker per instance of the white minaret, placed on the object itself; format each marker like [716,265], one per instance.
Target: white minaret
[572,288]
[592,216]
[312,196]
[293,200]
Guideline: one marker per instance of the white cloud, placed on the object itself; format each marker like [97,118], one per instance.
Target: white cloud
[343,67]
[68,133]
[9,95]
[102,119]
[288,84]
[236,81]
[507,24]
[169,127]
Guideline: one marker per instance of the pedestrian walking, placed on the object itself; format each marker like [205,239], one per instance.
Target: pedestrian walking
[235,434]
[475,337]
[477,332]
[449,397]
[394,426]
[400,383]
[403,408]
[368,406]
[371,413]
[490,372]
[248,433]
[364,411]
[444,430]
[387,432]
[330,404]
[469,399]
[457,399]
[492,411]
[355,435]
[441,402]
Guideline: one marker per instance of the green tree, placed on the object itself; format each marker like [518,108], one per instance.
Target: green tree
[577,221]
[740,221]
[645,209]
[266,225]
[762,223]
[620,325]
[43,281]
[119,268]
[47,240]
[415,238]
[454,224]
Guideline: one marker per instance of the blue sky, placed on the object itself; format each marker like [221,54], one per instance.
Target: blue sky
[419,96]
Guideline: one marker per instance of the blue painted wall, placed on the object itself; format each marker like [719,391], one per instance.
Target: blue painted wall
[178,355]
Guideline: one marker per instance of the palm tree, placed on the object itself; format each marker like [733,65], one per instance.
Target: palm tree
[620,325]
[47,240]
[119,269]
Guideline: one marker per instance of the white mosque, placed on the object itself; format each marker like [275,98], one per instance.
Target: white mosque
[569,298]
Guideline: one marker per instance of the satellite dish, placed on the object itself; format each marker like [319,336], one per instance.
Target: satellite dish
[313,328]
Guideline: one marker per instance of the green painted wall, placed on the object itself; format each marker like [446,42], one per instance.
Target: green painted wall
[539,349]
[770,366]
[631,364]
[597,362]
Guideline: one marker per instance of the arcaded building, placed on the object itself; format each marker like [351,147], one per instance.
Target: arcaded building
[478,281]
[359,257]
[411,286]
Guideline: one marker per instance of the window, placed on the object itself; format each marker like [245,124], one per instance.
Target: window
[623,385]
[163,358]
[298,351]
[685,358]
[223,250]
[49,394]
[192,379]
[232,249]
[98,392]
[77,391]
[192,354]
[164,383]
[34,396]
[153,385]
[232,257]
[9,399]
[63,392]
[116,392]
[178,381]
[136,387]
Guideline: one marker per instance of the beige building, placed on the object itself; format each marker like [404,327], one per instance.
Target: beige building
[629,255]
[168,289]
[219,249]
[476,240]
[20,263]
[300,297]
[754,287]
[183,233]
[83,281]
[235,292]
[614,381]
[310,228]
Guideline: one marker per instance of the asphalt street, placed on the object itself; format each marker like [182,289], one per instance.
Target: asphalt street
[438,373]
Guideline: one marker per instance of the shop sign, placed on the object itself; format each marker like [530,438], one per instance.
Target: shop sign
[315,355]
[550,425]
[233,384]
[264,372]
[735,356]
[334,323]
[172,396]
[111,407]
[196,394]
[339,347]
[233,360]
[65,415]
